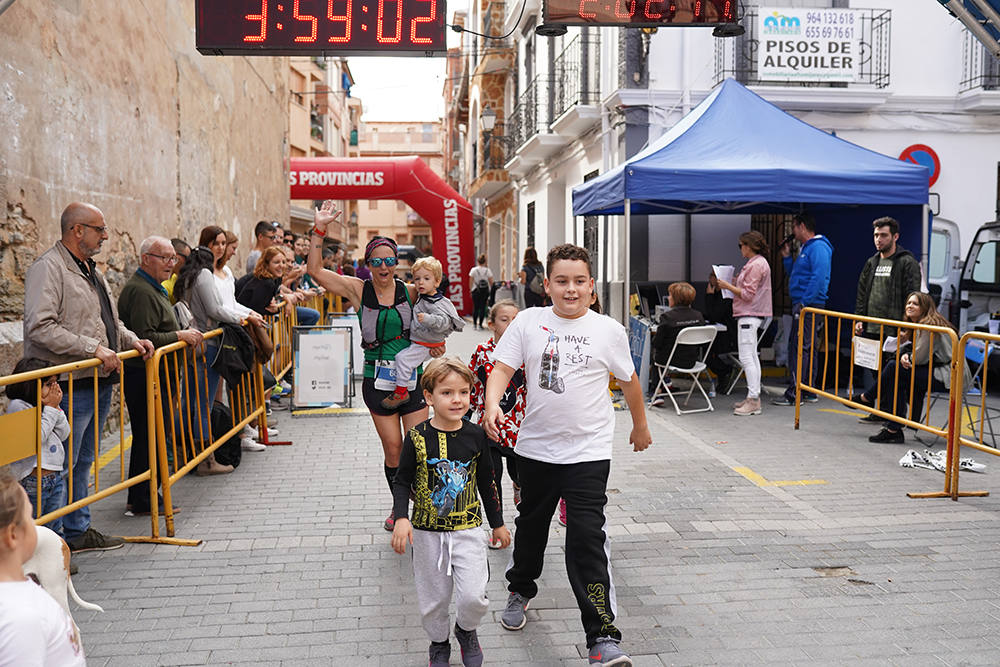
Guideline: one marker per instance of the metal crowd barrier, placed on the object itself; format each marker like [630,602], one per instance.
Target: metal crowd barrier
[958,395]
[22,436]
[957,440]
[833,347]
[179,434]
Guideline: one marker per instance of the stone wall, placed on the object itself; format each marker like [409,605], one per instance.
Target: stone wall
[109,103]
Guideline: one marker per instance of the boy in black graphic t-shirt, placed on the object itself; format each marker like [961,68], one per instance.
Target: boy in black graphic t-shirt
[564,443]
[445,461]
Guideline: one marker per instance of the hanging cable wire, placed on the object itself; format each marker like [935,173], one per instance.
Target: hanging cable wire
[458,28]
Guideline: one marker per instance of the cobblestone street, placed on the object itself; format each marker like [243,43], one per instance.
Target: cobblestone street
[721,554]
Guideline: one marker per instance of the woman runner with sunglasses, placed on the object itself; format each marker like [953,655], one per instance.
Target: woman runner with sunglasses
[384,305]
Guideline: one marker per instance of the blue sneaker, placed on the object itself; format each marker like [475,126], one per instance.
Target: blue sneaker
[605,652]
[513,617]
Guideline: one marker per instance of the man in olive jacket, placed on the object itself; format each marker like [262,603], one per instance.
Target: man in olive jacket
[69,316]
[888,278]
[146,310]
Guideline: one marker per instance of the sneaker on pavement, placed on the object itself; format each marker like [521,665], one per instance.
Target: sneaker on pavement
[468,641]
[885,435]
[513,617]
[739,403]
[606,652]
[439,654]
[751,406]
[91,540]
[782,400]
[251,445]
[251,432]
[656,402]
[809,398]
[562,511]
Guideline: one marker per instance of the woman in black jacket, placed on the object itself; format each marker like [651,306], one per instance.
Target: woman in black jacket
[258,290]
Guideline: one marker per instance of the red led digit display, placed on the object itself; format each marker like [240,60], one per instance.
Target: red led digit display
[640,12]
[321,27]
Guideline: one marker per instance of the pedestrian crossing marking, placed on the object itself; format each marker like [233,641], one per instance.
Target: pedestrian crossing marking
[762,481]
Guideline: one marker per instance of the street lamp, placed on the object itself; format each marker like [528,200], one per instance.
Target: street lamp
[354,219]
[487,119]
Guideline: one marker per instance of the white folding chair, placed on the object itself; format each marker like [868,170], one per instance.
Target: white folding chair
[760,337]
[687,337]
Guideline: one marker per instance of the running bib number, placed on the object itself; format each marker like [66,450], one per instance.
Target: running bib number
[385,376]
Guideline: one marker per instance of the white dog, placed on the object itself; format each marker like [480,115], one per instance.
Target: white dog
[49,566]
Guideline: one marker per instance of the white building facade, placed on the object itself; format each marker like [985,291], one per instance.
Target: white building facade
[581,103]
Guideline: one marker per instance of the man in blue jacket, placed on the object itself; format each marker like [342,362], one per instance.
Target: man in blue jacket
[808,282]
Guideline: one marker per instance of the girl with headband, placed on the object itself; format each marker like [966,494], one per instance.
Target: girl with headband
[385,308]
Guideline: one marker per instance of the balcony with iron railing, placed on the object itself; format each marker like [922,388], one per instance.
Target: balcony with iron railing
[979,87]
[496,55]
[576,85]
[529,139]
[738,58]
[491,177]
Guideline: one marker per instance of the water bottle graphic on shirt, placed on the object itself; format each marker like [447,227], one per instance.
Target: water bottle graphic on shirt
[549,375]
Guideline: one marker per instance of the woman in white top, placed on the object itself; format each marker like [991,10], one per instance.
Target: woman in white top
[208,288]
[34,629]
[481,283]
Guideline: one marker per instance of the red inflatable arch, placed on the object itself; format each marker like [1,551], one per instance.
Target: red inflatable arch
[411,180]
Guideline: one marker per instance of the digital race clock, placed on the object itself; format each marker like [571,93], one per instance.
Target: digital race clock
[640,12]
[320,27]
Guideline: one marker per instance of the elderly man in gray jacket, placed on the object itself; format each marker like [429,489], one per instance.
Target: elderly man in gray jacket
[69,316]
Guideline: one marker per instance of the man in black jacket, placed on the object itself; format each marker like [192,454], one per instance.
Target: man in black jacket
[888,278]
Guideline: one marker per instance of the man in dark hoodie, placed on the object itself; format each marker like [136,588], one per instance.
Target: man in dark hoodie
[808,284]
[889,276]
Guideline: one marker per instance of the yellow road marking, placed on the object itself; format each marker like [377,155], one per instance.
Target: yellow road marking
[761,481]
[330,411]
[110,455]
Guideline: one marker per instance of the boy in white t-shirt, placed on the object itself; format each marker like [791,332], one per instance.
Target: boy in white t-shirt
[34,629]
[567,351]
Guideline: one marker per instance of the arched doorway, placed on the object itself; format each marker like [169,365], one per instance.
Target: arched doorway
[408,179]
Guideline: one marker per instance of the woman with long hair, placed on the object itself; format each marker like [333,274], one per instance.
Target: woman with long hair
[534,291]
[917,361]
[751,306]
[385,307]
[197,285]
[259,290]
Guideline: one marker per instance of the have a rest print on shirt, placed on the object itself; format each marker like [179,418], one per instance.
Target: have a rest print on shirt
[569,417]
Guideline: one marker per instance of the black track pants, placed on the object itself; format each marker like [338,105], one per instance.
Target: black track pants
[584,486]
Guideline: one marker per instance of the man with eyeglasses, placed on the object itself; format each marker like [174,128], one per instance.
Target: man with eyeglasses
[264,233]
[146,310]
[69,316]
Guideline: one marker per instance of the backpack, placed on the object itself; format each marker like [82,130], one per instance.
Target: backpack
[483,284]
[537,282]
[236,354]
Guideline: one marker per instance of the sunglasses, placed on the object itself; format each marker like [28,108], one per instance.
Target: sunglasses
[378,261]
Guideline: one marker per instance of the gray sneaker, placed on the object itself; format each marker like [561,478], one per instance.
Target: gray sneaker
[605,652]
[513,617]
[91,540]
[439,654]
[468,641]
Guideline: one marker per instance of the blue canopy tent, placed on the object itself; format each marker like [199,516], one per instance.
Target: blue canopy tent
[738,153]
